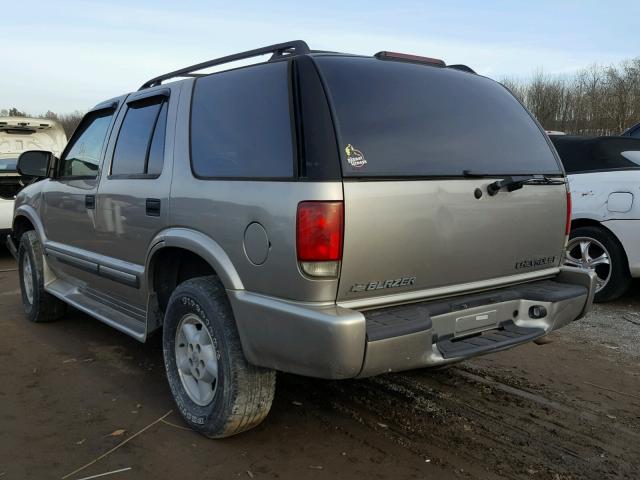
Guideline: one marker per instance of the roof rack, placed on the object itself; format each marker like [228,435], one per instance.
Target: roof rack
[279,50]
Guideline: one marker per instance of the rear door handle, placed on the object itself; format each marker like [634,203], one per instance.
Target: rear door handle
[153,207]
[90,202]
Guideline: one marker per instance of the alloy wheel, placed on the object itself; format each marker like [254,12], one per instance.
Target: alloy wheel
[27,278]
[590,254]
[196,358]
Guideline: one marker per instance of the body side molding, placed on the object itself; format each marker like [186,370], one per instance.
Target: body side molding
[119,271]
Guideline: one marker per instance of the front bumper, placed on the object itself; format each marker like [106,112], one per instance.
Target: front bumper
[6,213]
[329,341]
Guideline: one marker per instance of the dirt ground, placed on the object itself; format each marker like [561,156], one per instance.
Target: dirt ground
[568,409]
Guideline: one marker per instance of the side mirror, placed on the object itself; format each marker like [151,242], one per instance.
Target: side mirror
[35,163]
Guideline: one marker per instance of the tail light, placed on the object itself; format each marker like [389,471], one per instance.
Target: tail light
[319,232]
[567,228]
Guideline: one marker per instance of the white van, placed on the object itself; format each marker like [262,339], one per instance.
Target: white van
[18,134]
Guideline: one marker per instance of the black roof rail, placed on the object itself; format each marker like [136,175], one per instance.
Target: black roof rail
[279,50]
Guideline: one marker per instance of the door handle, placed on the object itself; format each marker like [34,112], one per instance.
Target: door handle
[153,207]
[90,202]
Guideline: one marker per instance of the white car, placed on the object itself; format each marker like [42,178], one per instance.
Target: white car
[18,134]
[604,177]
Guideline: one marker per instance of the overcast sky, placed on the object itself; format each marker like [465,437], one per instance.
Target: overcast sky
[67,55]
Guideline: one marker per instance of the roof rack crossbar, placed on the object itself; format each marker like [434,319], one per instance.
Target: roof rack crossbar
[279,50]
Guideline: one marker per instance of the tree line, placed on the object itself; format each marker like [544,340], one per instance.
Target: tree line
[598,100]
[69,121]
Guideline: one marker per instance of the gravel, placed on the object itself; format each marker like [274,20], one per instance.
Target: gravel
[615,325]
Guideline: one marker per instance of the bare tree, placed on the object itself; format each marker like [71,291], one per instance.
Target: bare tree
[14,112]
[70,122]
[595,101]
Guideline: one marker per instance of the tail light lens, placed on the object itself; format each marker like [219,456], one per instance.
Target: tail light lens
[567,227]
[319,232]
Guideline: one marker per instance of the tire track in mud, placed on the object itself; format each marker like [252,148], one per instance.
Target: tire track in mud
[476,424]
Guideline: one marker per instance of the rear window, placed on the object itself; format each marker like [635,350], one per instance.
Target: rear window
[399,119]
[241,125]
[596,154]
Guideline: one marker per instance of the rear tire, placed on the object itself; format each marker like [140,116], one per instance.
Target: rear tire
[217,392]
[613,277]
[39,305]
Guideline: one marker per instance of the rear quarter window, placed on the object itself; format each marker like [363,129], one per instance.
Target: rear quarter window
[241,124]
[398,119]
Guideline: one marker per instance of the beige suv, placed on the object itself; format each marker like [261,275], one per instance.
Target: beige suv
[324,214]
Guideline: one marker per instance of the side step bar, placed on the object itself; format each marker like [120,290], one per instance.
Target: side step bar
[488,341]
[116,318]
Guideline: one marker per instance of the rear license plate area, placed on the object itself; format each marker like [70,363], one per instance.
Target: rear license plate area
[477,322]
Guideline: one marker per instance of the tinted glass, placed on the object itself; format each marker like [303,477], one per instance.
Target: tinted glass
[590,154]
[8,164]
[83,155]
[402,119]
[156,151]
[130,155]
[635,133]
[319,159]
[240,123]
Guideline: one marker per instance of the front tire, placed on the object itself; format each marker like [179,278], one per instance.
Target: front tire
[39,305]
[597,249]
[217,392]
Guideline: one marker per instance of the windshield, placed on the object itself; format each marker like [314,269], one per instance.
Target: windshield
[398,119]
[8,164]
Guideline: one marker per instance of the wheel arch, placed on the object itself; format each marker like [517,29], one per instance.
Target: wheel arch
[589,222]
[183,254]
[26,218]
[585,222]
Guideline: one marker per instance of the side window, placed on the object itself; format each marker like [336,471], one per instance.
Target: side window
[241,124]
[82,158]
[140,146]
[156,150]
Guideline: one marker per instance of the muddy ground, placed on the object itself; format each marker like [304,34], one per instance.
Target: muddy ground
[568,409]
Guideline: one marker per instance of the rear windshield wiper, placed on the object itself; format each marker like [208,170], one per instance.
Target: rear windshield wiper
[516,182]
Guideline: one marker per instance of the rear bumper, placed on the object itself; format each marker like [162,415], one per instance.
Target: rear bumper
[329,341]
